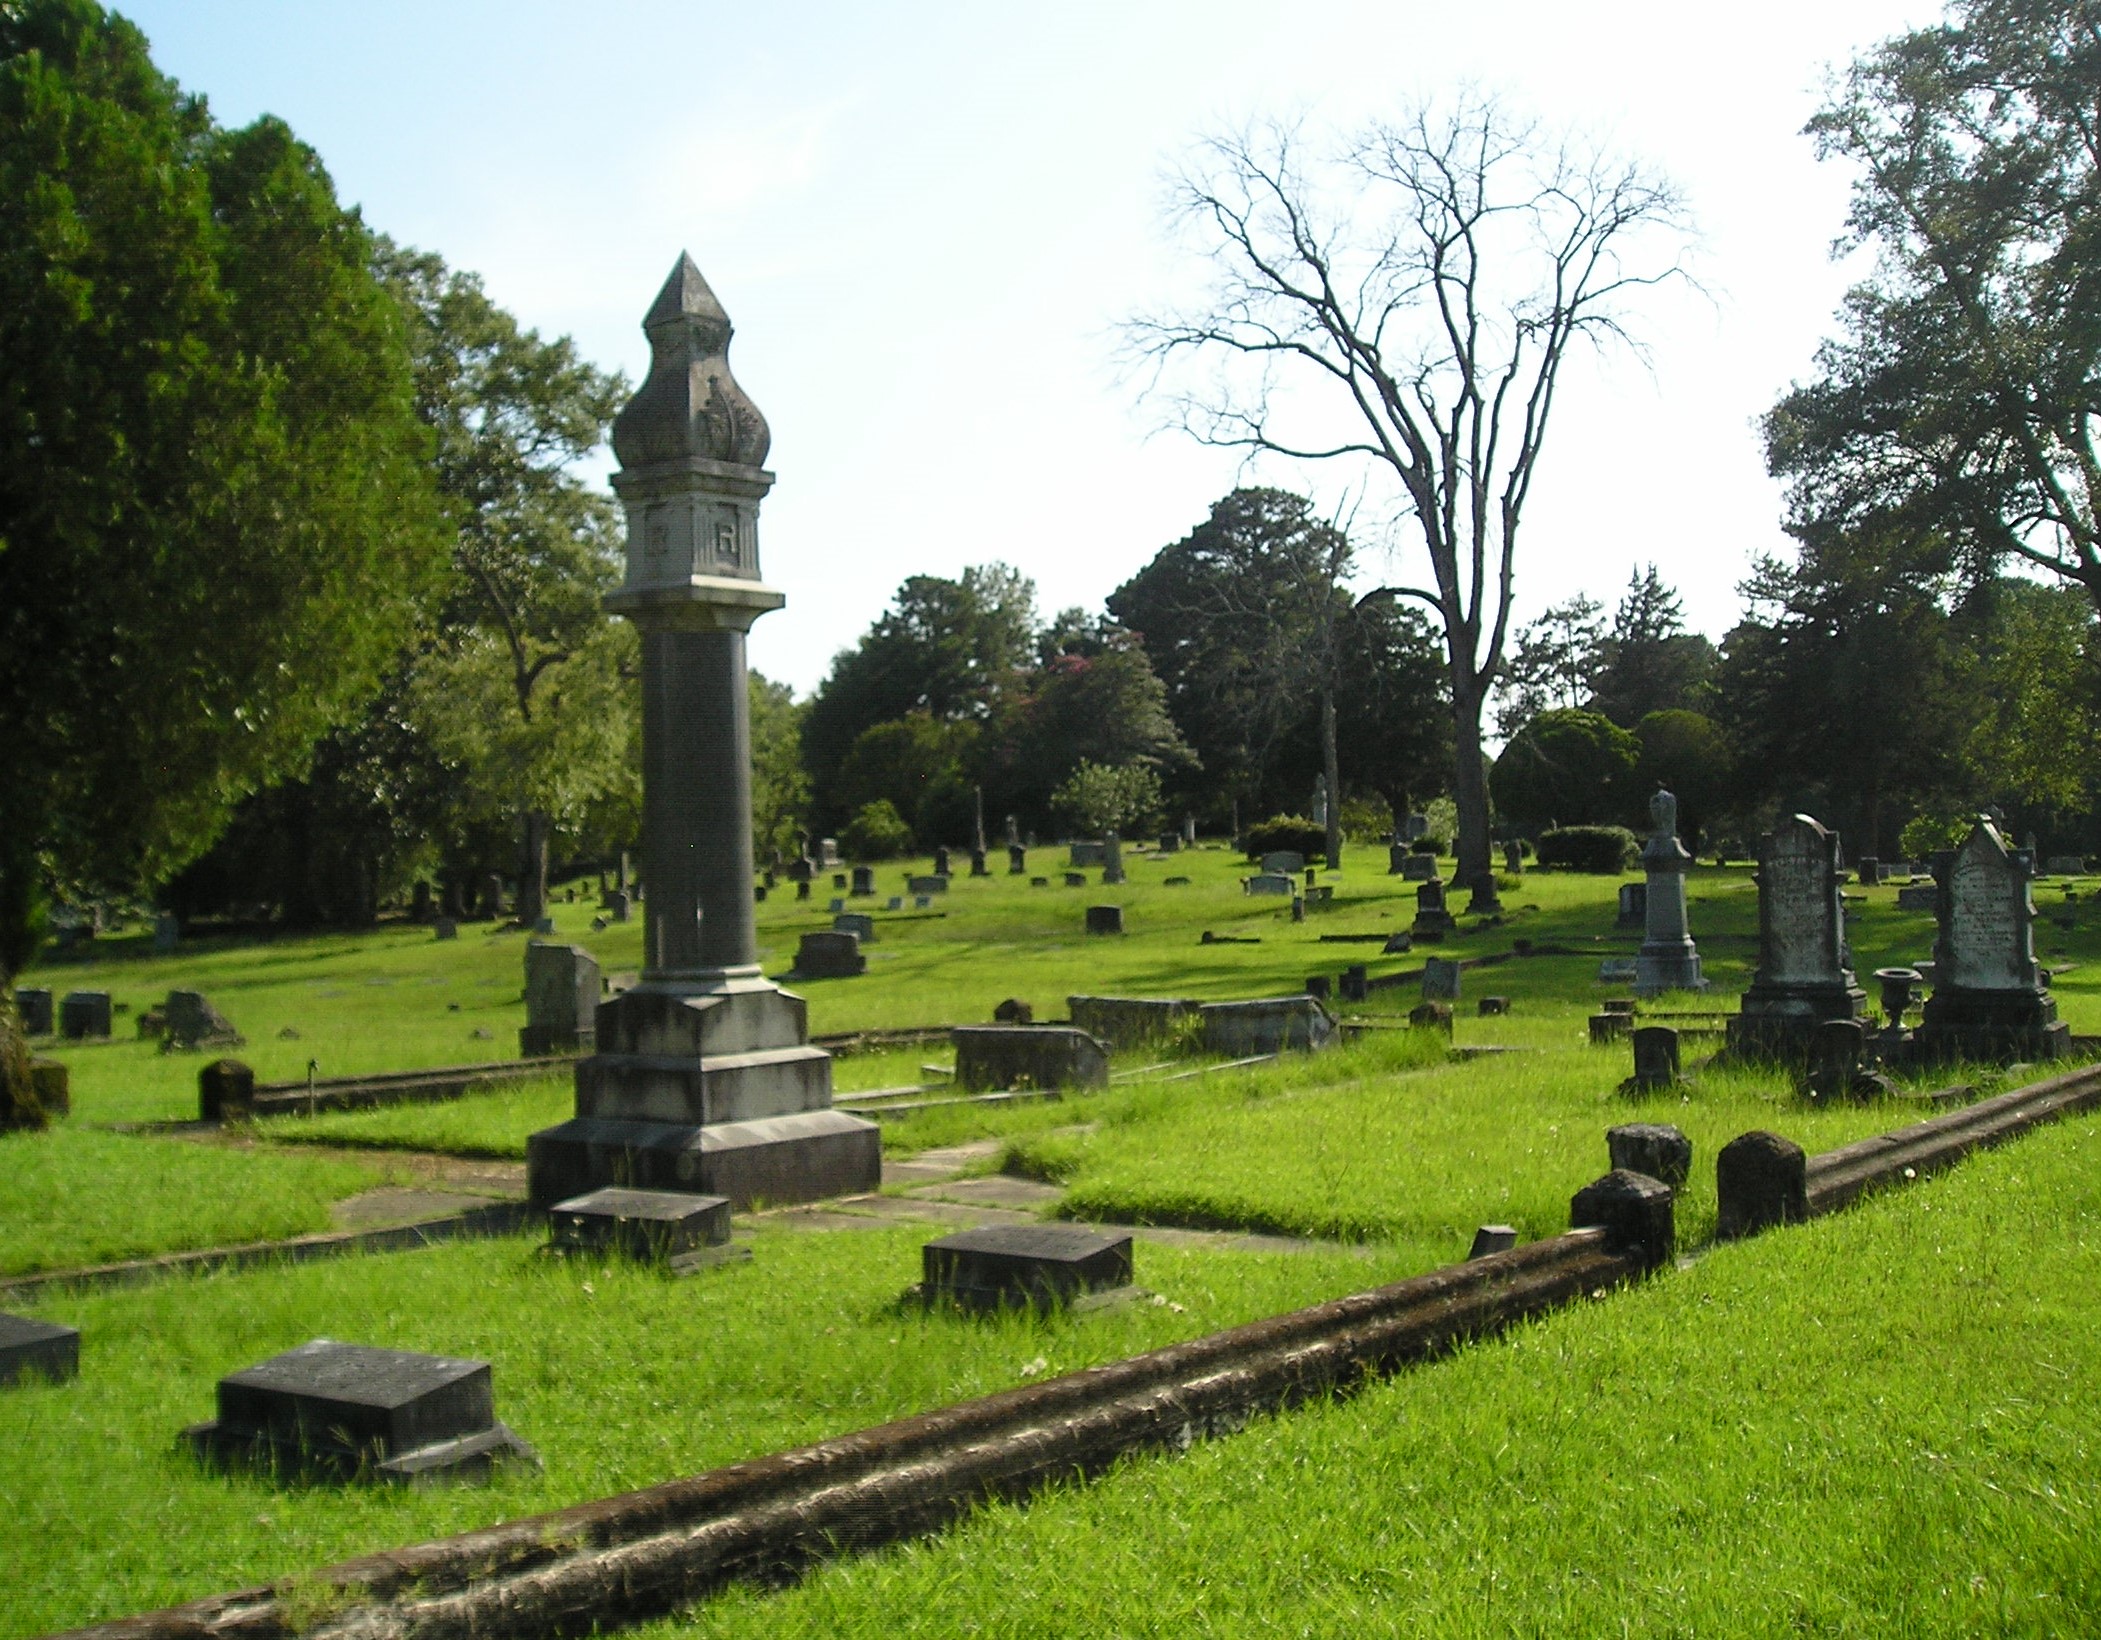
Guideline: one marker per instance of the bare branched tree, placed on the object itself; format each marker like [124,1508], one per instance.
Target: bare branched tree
[1408,301]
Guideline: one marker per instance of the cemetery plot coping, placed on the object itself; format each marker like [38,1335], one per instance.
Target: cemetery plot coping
[37,1351]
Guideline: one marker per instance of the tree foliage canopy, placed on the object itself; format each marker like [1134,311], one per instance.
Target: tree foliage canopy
[216,511]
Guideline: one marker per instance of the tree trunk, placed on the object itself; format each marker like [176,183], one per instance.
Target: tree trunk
[1331,769]
[1469,782]
[532,880]
[18,1101]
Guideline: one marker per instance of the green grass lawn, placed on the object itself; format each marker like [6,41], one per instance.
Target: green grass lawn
[619,1376]
[1883,1423]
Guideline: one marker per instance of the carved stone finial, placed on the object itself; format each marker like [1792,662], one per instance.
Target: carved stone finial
[691,405]
[1663,813]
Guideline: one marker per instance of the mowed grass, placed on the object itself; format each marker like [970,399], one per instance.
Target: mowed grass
[1883,1423]
[620,1377]
[72,1197]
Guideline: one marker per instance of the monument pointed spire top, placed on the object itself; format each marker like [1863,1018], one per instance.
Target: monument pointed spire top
[690,405]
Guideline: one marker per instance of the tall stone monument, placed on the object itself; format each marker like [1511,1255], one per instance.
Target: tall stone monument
[1988,999]
[1668,959]
[704,1078]
[1805,973]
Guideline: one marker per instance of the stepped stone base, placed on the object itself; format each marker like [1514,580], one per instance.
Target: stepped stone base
[1779,1024]
[1990,1027]
[770,1161]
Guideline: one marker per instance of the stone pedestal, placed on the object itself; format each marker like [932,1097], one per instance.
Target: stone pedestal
[1988,1001]
[1668,959]
[704,1078]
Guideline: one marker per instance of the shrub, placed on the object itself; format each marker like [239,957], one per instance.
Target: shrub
[1099,798]
[1929,833]
[1428,843]
[876,832]
[1610,849]
[1286,831]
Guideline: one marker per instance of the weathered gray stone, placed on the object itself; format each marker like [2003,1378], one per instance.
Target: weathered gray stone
[1989,1002]
[444,928]
[1238,1030]
[348,1411]
[863,882]
[800,1157]
[1918,897]
[1654,1148]
[1440,979]
[936,884]
[1028,1056]
[1134,1022]
[1608,1027]
[561,1000]
[1266,882]
[37,1351]
[1655,1060]
[857,923]
[1761,1180]
[1083,855]
[1105,919]
[167,932]
[1804,973]
[83,1015]
[1039,1265]
[1418,868]
[1017,860]
[1633,905]
[34,1004]
[1283,862]
[834,955]
[1355,984]
[653,1226]
[941,863]
[1668,961]
[1635,1212]
[1433,920]
[1432,1016]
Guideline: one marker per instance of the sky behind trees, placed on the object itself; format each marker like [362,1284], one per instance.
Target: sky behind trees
[927,221]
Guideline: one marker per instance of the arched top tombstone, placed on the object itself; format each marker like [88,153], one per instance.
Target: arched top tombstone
[1801,924]
[1987,935]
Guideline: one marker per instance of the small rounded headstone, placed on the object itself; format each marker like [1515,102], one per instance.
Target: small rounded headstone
[225,1088]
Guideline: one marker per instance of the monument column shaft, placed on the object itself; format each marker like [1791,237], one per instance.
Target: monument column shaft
[696,803]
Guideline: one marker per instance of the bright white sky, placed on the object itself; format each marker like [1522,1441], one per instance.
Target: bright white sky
[926,222]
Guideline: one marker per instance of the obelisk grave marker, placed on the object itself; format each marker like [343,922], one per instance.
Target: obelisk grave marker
[704,1078]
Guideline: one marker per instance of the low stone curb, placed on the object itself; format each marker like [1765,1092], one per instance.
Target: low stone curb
[627,1558]
[499,1219]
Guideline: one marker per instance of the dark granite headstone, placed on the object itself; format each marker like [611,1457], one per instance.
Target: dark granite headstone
[1607,1028]
[1418,868]
[1028,1056]
[1433,921]
[1017,860]
[978,867]
[802,888]
[1356,983]
[1489,1006]
[1319,987]
[941,862]
[1076,879]
[1761,1180]
[225,1088]
[654,1226]
[1654,1148]
[1483,899]
[1635,1211]
[1040,1265]
[1398,943]
[1492,1238]
[1434,1016]
[936,884]
[1655,1059]
[444,928]
[857,923]
[37,1351]
[34,1005]
[84,1014]
[1283,862]
[1835,1050]
[1013,1011]
[1634,905]
[863,882]
[561,1000]
[192,1022]
[830,956]
[1105,919]
[350,1411]
[1440,979]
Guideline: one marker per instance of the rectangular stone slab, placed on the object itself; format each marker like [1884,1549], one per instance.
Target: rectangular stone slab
[643,1224]
[327,1395]
[1039,1264]
[33,1350]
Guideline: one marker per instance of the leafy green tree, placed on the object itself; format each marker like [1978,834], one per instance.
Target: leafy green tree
[2032,677]
[1099,798]
[1689,753]
[920,765]
[1393,720]
[1569,769]
[1956,406]
[1100,703]
[535,548]
[1554,664]
[216,515]
[1648,662]
[876,832]
[780,789]
[946,650]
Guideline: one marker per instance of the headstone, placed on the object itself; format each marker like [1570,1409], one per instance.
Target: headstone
[1083,855]
[1044,882]
[2067,865]
[1398,943]
[1017,860]
[1036,1266]
[189,1021]
[896,902]
[1989,1002]
[1266,1025]
[921,902]
[491,897]
[1489,1007]
[1319,987]
[1440,980]
[801,870]
[1634,1211]
[1105,919]
[225,1090]
[561,1000]
[1655,1060]
[1619,971]
[1804,974]
[1355,984]
[1607,1028]
[828,853]
[1283,862]
[703,1078]
[1397,858]
[1761,1180]
[1870,869]
[832,955]
[1112,860]
[37,1351]
[1170,842]
[422,905]
[1415,826]
[835,904]
[1431,1016]
[863,882]
[1134,1022]
[1418,868]
[1654,1148]
[1433,921]
[618,905]
[1076,879]
[1492,1238]
[444,928]
[650,1226]
[1918,897]
[1668,961]
[1633,906]
[857,923]
[1028,1056]
[1483,899]
[34,1005]
[941,862]
[1269,882]
[936,884]
[1514,857]
[1836,1053]
[1014,1011]
[83,1015]
[350,1412]
[839,880]
[802,888]
[167,931]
